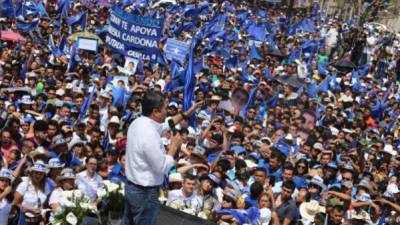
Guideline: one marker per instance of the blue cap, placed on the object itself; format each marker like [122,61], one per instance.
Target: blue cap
[255,155]
[316,166]
[29,119]
[364,197]
[229,122]
[348,166]
[238,149]
[332,165]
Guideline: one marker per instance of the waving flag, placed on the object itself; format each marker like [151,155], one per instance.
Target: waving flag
[232,62]
[324,85]
[322,70]
[29,7]
[382,218]
[307,25]
[7,9]
[26,26]
[273,101]
[198,66]
[312,89]
[363,70]
[79,18]
[63,45]
[176,50]
[63,8]
[41,9]
[282,146]
[24,70]
[86,104]
[54,50]
[243,216]
[71,61]
[250,101]
[254,54]
[190,82]
[258,32]
[299,91]
[294,54]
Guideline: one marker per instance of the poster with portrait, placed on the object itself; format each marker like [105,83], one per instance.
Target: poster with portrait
[130,66]
[121,81]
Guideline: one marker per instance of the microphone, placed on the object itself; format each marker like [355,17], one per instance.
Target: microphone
[171,125]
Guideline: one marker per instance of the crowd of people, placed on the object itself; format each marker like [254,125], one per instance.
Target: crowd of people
[294,120]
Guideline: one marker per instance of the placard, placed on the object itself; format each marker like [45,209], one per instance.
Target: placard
[88,44]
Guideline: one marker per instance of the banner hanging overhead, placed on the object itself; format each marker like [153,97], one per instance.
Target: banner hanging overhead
[133,35]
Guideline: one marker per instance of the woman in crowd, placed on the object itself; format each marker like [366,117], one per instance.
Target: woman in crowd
[5,195]
[31,194]
[65,182]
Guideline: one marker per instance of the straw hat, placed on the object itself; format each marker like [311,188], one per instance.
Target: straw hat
[6,173]
[55,163]
[59,140]
[317,180]
[362,215]
[39,166]
[309,209]
[215,98]
[39,151]
[65,174]
[175,178]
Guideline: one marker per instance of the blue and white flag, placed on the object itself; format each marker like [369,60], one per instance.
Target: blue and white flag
[79,18]
[85,106]
[64,6]
[24,69]
[71,62]
[254,54]
[190,82]
[176,50]
[26,26]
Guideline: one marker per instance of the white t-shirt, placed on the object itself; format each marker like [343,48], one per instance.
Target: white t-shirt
[5,208]
[177,196]
[57,197]
[32,197]
[89,185]
[265,216]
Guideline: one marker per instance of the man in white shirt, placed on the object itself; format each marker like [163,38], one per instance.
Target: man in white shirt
[88,181]
[147,161]
[185,195]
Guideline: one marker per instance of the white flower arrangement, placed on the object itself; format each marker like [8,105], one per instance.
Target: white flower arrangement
[71,218]
[114,194]
[190,208]
[74,208]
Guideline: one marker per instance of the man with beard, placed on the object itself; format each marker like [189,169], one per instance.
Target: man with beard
[59,149]
[286,208]
[40,137]
[7,145]
[330,173]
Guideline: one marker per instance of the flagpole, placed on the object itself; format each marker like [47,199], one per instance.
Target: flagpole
[86,23]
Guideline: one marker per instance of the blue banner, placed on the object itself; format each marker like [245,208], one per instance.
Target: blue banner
[133,35]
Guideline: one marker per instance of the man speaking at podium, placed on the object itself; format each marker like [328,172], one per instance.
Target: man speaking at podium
[147,162]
